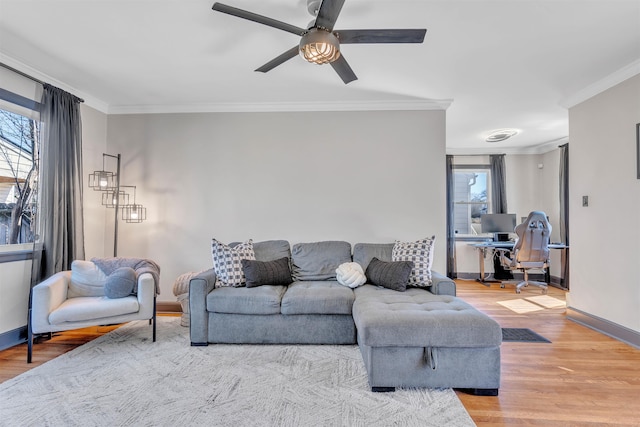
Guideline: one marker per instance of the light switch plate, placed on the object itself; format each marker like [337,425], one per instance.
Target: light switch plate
[585,201]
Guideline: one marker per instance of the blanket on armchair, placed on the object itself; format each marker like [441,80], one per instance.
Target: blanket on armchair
[109,265]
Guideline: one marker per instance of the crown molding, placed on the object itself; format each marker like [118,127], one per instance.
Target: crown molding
[373,105]
[600,86]
[232,107]
[89,100]
[541,148]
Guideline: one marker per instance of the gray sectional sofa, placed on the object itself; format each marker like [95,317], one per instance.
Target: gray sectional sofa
[415,338]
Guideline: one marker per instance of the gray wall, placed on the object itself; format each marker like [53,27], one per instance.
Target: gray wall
[308,176]
[605,237]
[94,143]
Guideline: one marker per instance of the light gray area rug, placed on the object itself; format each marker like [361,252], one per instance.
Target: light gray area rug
[123,379]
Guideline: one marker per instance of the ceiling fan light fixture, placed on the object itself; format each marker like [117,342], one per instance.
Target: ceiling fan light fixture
[319,46]
[501,135]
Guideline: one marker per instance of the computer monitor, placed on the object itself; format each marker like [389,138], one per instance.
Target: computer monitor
[499,224]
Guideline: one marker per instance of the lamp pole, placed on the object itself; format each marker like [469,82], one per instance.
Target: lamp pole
[117,193]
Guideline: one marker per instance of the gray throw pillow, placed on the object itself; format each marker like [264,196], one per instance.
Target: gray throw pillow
[392,275]
[258,273]
[120,283]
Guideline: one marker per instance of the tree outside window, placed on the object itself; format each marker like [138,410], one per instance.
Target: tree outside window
[18,177]
[471,199]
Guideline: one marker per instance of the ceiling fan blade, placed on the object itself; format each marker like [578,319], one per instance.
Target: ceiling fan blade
[381,36]
[344,70]
[291,53]
[230,10]
[328,13]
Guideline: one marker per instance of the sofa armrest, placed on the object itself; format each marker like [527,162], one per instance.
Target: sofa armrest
[46,297]
[199,287]
[442,285]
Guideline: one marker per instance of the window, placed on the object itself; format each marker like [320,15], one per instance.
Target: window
[18,177]
[472,198]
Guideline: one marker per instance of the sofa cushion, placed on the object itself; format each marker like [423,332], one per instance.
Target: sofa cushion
[269,250]
[317,297]
[120,283]
[363,253]
[318,260]
[259,300]
[421,253]
[89,308]
[87,280]
[418,318]
[260,273]
[392,275]
[227,261]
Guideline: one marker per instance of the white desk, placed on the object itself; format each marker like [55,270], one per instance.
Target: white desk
[484,247]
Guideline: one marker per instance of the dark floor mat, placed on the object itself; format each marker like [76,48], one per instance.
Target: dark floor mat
[521,335]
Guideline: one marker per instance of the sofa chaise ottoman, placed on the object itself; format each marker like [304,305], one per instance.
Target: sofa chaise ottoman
[423,337]
[417,339]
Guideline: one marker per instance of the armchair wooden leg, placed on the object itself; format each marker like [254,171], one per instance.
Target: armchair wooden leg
[29,338]
[154,319]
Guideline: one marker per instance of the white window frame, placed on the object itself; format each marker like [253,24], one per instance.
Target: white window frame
[471,232]
[29,109]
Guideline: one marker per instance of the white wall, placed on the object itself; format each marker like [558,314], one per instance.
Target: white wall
[605,237]
[308,176]
[533,184]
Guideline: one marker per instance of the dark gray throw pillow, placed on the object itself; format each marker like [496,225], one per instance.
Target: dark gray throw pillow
[260,273]
[393,275]
[120,283]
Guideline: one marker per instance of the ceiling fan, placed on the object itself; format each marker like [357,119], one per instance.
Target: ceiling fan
[320,43]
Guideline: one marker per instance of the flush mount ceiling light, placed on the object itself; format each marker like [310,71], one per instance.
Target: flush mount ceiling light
[501,135]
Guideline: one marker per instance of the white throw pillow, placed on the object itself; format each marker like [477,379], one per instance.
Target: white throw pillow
[87,280]
[227,262]
[350,274]
[421,253]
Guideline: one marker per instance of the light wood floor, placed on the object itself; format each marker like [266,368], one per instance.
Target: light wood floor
[583,378]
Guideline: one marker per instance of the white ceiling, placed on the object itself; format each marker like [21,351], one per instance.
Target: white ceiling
[503,63]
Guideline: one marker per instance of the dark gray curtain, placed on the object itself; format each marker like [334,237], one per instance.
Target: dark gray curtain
[498,184]
[564,208]
[451,237]
[60,218]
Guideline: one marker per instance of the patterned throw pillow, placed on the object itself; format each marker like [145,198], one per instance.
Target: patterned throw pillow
[227,262]
[421,253]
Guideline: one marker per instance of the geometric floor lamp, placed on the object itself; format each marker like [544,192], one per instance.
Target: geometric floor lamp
[114,197]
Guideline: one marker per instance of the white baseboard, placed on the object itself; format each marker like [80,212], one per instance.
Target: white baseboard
[555,281]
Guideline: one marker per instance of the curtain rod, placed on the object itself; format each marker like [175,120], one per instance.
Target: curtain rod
[10,68]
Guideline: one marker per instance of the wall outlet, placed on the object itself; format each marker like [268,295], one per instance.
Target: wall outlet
[585,201]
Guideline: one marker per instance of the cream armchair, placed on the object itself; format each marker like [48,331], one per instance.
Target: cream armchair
[56,306]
